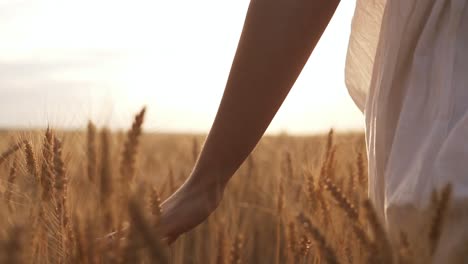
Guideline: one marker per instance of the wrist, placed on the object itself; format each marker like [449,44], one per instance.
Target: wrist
[211,179]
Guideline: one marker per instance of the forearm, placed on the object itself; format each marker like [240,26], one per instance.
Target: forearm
[277,39]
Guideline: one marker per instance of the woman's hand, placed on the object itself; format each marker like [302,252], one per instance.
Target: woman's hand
[189,206]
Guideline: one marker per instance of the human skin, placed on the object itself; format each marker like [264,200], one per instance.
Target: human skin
[276,42]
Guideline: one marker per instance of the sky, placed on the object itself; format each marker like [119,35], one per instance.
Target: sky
[64,62]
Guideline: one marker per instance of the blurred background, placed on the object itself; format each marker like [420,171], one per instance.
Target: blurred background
[64,62]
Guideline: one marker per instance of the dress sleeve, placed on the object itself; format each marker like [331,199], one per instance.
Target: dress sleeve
[362,47]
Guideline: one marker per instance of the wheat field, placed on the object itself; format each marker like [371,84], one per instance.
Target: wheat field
[295,200]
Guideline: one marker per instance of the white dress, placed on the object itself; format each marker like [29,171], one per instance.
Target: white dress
[407,70]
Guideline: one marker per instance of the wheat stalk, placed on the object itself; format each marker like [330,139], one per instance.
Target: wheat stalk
[221,253]
[8,152]
[47,176]
[127,165]
[343,202]
[325,249]
[155,206]
[10,185]
[236,250]
[383,246]
[31,164]
[91,151]
[441,208]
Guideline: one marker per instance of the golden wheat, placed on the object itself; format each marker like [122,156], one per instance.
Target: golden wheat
[82,184]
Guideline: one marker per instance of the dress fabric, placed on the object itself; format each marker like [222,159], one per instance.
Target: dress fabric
[407,70]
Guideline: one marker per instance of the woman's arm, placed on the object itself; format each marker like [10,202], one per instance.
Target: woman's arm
[277,39]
